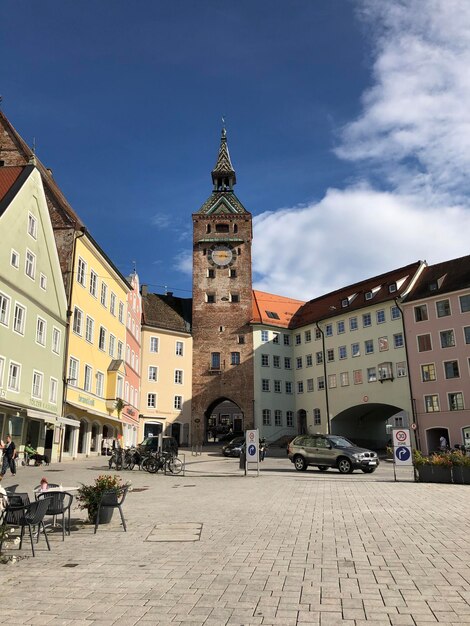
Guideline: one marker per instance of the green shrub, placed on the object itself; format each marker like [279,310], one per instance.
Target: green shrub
[89,495]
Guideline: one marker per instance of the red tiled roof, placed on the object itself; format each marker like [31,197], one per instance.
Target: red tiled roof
[273,310]
[8,177]
[334,303]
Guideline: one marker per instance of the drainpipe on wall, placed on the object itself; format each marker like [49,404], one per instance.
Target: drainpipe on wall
[412,400]
[80,234]
[327,401]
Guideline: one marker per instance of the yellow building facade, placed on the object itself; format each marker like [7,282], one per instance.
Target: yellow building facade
[95,371]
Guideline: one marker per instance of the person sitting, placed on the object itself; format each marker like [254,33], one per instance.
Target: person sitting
[35,456]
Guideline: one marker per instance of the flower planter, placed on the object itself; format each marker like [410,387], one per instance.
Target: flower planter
[461,475]
[441,474]
[424,473]
[106,515]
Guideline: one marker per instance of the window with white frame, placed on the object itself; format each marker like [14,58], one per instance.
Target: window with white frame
[102,339]
[93,283]
[298,362]
[112,304]
[265,384]
[133,359]
[30,264]
[308,360]
[344,379]
[120,348]
[128,353]
[466,333]
[288,386]
[316,417]
[447,338]
[308,336]
[331,381]
[104,294]
[121,312]
[265,360]
[15,259]
[277,360]
[402,370]
[264,336]
[112,346]
[342,352]
[4,309]
[73,372]
[424,343]
[235,358]
[88,378]
[451,369]
[178,403]
[276,337]
[428,372]
[36,390]
[126,391]
[53,386]
[340,327]
[152,400]
[89,329]
[56,334]
[464,303]
[14,375]
[330,355]
[41,330]
[371,375]
[32,226]
[43,281]
[178,377]
[266,417]
[215,360]
[369,346]
[443,308]
[395,312]
[319,357]
[19,319]
[289,419]
[119,386]
[277,417]
[355,349]
[421,312]
[2,370]
[300,386]
[431,403]
[385,371]
[329,330]
[277,386]
[366,320]
[77,321]
[398,341]
[380,316]
[455,401]
[320,383]
[298,339]
[353,323]
[81,272]
[286,340]
[287,363]
[310,386]
[153,344]
[99,384]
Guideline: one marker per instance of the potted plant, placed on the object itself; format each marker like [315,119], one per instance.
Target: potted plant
[441,467]
[460,468]
[89,496]
[423,467]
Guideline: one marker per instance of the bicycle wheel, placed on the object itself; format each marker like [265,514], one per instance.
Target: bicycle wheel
[150,465]
[110,462]
[174,465]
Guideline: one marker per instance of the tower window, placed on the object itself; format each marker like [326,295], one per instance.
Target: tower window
[235,228]
[222,228]
[232,273]
[208,228]
[234,297]
[210,298]
[241,339]
[210,273]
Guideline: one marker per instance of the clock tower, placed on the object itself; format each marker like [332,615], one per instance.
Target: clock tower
[222,396]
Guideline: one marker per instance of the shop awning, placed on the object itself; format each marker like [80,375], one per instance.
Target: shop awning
[42,415]
[68,422]
[93,412]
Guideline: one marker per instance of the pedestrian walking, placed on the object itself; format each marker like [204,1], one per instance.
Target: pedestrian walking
[9,456]
[443,443]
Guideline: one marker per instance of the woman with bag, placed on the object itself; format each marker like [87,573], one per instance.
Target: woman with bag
[9,455]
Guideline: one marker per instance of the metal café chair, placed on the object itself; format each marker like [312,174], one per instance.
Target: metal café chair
[59,503]
[112,499]
[30,515]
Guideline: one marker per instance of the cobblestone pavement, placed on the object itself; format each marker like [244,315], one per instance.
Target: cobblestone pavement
[283,548]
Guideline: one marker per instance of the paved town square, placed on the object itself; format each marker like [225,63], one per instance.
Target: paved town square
[214,547]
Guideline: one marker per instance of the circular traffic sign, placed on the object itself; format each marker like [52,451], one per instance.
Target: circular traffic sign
[252,450]
[413,426]
[400,435]
[402,453]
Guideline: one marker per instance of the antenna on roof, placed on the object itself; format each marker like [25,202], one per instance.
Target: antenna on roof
[32,158]
[134,265]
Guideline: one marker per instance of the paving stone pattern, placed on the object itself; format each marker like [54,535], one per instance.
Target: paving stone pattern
[282,549]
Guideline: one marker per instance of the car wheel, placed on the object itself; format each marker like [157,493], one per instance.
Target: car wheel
[368,470]
[323,468]
[300,463]
[345,466]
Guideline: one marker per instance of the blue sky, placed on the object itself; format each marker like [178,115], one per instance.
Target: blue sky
[348,126]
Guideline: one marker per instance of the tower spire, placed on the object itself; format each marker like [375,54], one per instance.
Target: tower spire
[223,174]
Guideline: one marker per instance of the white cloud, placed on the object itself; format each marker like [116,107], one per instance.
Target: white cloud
[162,221]
[184,263]
[414,135]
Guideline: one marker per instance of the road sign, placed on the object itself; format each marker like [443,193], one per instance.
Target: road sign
[403,455]
[401,437]
[413,426]
[252,449]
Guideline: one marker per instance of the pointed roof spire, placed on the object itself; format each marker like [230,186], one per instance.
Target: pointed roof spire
[223,174]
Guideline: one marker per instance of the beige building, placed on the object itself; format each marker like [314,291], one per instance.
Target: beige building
[166,371]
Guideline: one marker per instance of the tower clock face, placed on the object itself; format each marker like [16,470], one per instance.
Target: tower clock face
[221,255]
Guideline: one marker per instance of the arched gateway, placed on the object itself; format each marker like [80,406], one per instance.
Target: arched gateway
[222,418]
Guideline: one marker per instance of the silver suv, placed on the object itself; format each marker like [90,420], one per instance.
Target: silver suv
[327,451]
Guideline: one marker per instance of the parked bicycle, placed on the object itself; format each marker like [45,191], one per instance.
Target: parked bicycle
[164,461]
[116,459]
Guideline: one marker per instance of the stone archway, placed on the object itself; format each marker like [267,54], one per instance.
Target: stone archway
[366,424]
[222,418]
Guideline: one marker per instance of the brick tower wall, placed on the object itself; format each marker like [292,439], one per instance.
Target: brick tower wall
[233,382]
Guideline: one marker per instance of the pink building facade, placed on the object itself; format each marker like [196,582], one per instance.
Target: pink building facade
[131,409]
[437,325]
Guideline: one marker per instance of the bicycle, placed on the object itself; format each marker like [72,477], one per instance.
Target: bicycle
[164,461]
[117,458]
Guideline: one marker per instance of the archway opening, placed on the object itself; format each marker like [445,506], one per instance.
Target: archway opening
[366,424]
[223,419]
[301,422]
[433,438]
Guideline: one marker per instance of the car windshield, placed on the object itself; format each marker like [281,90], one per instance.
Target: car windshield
[340,442]
[237,441]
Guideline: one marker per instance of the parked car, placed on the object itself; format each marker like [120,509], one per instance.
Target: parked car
[169,444]
[327,451]
[233,448]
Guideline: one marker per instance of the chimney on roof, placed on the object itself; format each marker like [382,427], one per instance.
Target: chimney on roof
[169,294]
[144,290]
[49,171]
